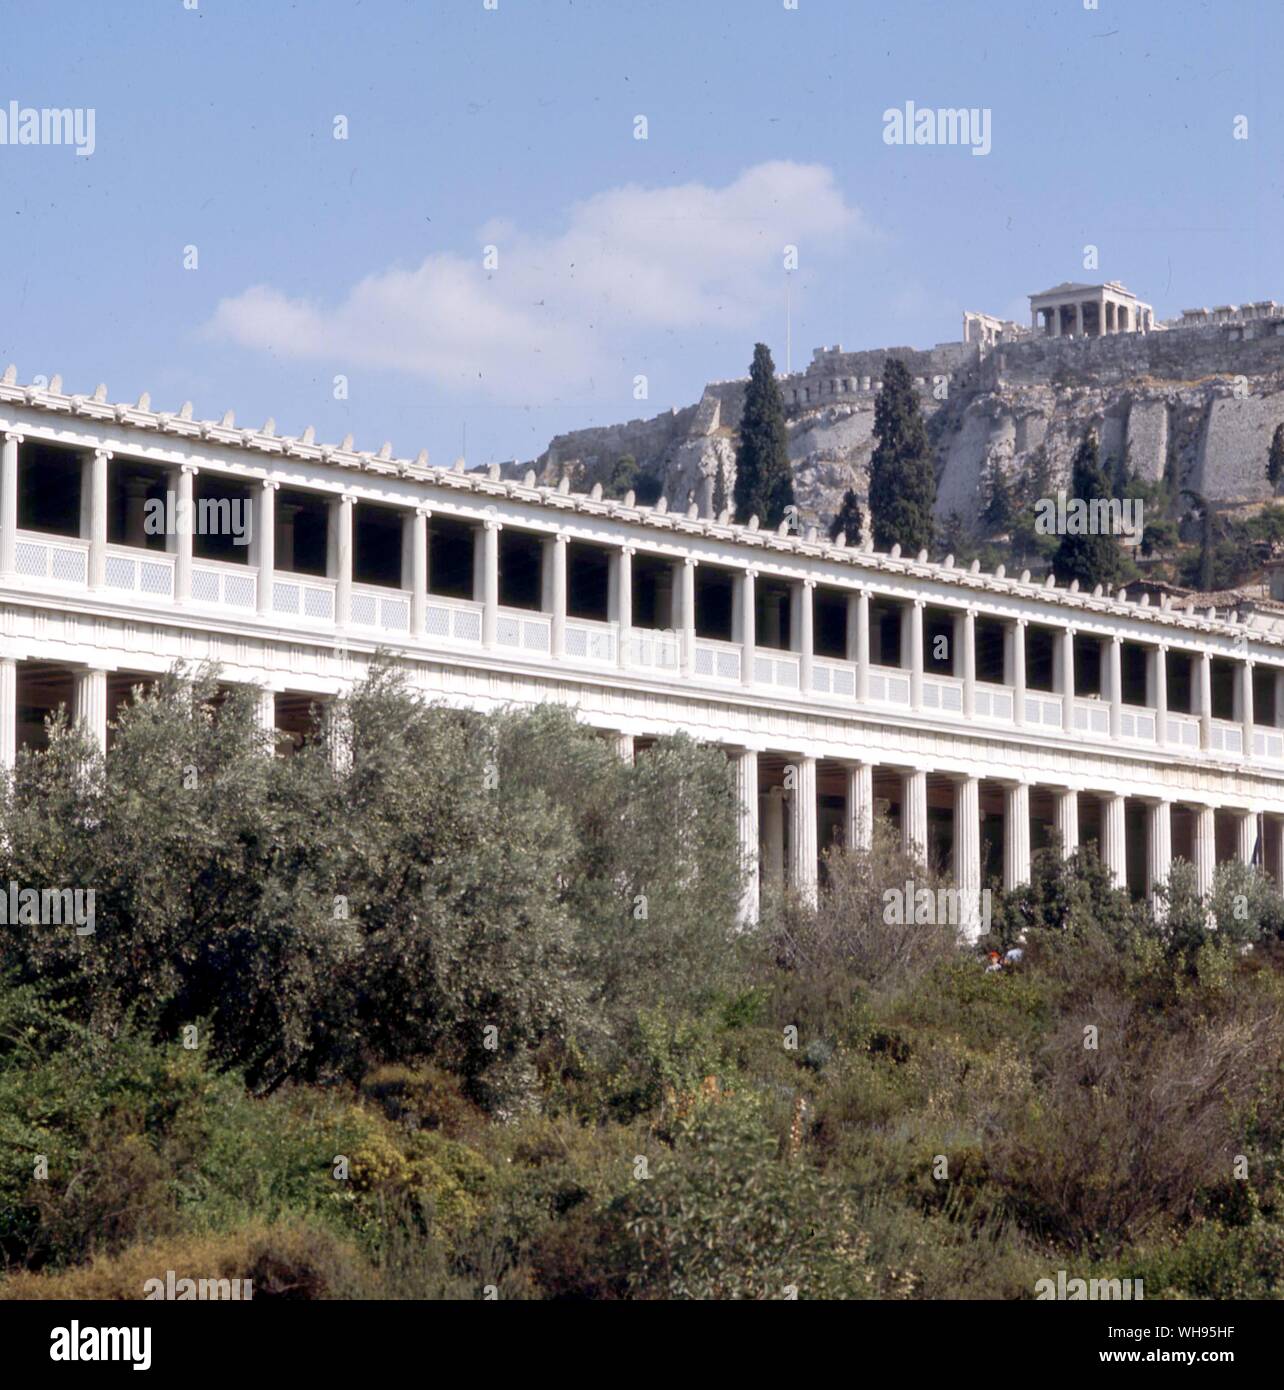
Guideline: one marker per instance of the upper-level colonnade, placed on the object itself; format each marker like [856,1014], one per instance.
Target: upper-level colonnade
[367,550]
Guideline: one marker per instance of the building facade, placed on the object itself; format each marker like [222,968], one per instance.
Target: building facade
[983,714]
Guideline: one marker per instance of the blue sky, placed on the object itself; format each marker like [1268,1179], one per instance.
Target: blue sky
[616,257]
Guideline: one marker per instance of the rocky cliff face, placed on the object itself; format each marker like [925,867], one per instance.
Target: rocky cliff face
[1201,402]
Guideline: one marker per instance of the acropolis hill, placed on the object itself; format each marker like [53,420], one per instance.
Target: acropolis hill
[1200,393]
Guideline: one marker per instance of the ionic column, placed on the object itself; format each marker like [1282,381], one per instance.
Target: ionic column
[342,564]
[1273,827]
[802,840]
[916,655]
[1014,661]
[746,765]
[556,553]
[623,611]
[490,580]
[1066,641]
[1205,659]
[1245,836]
[860,806]
[806,635]
[419,571]
[1159,849]
[265,543]
[860,654]
[91,705]
[1066,824]
[1245,677]
[98,518]
[746,589]
[686,608]
[1158,671]
[1279,697]
[8,712]
[1115,686]
[9,501]
[772,809]
[1016,835]
[184,528]
[1115,836]
[914,814]
[967,851]
[968,639]
[1205,849]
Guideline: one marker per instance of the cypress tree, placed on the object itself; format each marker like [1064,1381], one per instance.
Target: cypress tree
[849,521]
[764,479]
[1090,559]
[902,479]
[1275,457]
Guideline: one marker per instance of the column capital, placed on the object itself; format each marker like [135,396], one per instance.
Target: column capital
[492,523]
[689,562]
[808,582]
[349,499]
[629,550]
[269,485]
[103,453]
[189,469]
[561,538]
[423,511]
[14,437]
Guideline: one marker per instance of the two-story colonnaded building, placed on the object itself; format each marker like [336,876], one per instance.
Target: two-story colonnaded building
[1046,712]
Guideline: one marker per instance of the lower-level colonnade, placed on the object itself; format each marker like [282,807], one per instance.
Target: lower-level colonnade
[978,831]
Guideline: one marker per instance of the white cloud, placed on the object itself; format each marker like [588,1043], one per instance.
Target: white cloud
[632,263]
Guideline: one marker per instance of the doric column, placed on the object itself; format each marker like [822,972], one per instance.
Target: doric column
[490,580]
[1245,836]
[861,653]
[745,589]
[623,745]
[806,634]
[9,500]
[419,570]
[1244,674]
[265,709]
[1066,825]
[1115,836]
[184,527]
[8,712]
[746,765]
[97,471]
[343,524]
[1078,319]
[802,825]
[1205,674]
[967,851]
[265,542]
[1066,640]
[555,553]
[860,806]
[916,654]
[1114,685]
[771,807]
[914,814]
[1159,848]
[968,639]
[624,602]
[91,705]
[686,609]
[1205,848]
[1016,834]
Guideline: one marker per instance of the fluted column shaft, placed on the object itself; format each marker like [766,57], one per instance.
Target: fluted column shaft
[914,814]
[91,705]
[1159,848]
[802,840]
[1066,811]
[746,765]
[1016,835]
[1115,837]
[1205,848]
[967,851]
[860,806]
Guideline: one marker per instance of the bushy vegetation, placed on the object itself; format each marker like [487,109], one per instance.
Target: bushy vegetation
[457,1003]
